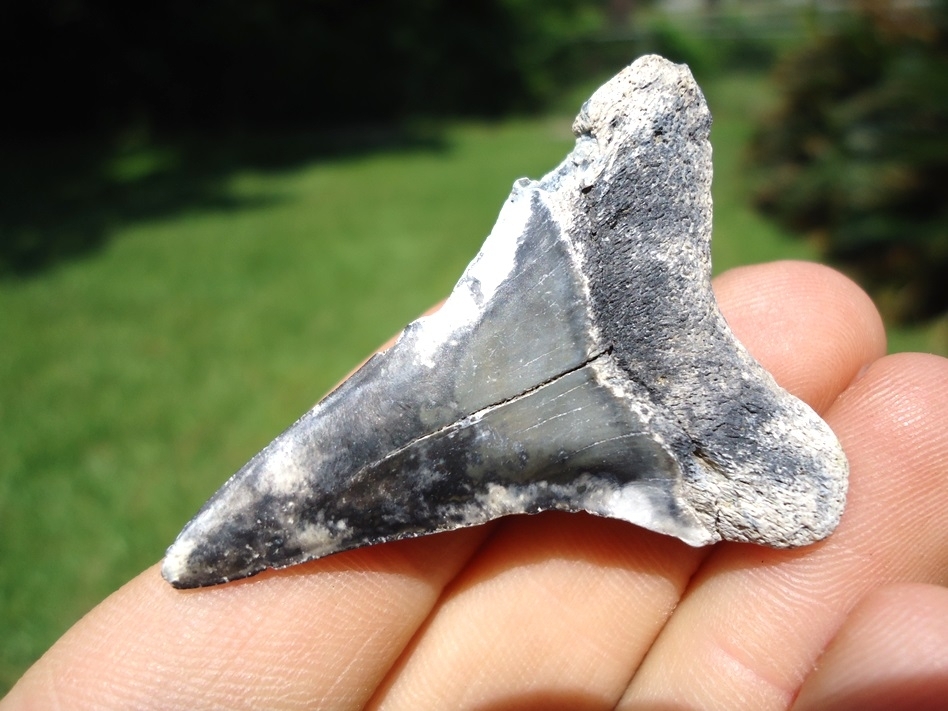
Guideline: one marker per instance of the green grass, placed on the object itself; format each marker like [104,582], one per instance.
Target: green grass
[741,235]
[136,377]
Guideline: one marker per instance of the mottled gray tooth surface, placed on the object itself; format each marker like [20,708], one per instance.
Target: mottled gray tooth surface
[580,364]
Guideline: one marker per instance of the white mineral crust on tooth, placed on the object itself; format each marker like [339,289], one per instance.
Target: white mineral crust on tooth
[581,364]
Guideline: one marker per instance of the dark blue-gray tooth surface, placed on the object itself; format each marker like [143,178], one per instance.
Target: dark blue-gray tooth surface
[580,364]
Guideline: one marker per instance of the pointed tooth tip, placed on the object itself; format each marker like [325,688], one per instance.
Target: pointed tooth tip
[205,552]
[183,567]
[188,565]
[174,566]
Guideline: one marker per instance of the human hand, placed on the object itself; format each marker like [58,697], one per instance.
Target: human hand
[568,611]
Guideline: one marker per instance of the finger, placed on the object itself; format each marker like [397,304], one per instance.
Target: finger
[320,635]
[891,653]
[776,309]
[540,619]
[558,610]
[754,620]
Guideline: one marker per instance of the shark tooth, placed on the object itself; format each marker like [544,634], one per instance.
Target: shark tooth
[580,364]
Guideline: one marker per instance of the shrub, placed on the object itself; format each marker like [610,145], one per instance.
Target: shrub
[89,65]
[856,156]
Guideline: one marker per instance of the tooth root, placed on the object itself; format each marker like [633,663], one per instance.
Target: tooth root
[580,364]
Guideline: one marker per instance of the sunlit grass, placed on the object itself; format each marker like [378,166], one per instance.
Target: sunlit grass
[741,234]
[135,379]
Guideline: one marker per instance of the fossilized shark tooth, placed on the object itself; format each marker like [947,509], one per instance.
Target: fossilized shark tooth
[580,364]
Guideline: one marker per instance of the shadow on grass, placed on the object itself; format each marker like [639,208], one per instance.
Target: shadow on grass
[63,198]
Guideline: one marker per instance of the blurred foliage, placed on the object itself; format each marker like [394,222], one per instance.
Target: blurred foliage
[716,41]
[75,65]
[105,104]
[856,156]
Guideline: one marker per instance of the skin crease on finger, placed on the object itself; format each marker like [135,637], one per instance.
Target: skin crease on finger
[891,653]
[558,604]
[328,631]
[759,618]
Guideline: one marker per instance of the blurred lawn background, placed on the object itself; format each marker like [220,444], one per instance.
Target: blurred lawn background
[209,286]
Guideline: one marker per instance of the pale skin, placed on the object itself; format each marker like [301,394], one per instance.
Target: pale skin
[561,611]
